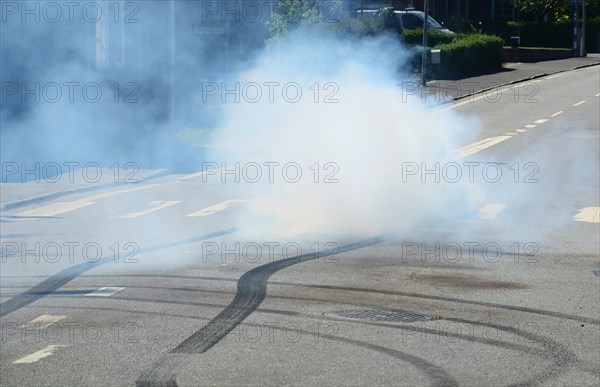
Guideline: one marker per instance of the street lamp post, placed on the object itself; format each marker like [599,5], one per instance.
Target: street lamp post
[424,53]
[582,50]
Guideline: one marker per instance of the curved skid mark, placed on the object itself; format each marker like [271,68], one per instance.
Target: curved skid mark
[63,277]
[252,288]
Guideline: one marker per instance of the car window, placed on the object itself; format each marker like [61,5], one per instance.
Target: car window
[411,21]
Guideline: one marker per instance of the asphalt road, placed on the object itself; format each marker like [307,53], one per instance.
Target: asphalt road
[158,282]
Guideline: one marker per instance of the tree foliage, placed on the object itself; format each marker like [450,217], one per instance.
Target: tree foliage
[290,14]
[561,10]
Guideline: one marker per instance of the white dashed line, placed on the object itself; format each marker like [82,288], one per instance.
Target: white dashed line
[530,126]
[58,208]
[216,208]
[579,103]
[490,211]
[190,176]
[597,95]
[43,321]
[104,292]
[541,121]
[588,214]
[158,205]
[521,130]
[479,146]
[557,113]
[39,355]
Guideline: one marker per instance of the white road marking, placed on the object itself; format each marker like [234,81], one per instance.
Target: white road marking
[521,130]
[490,211]
[39,355]
[540,121]
[579,103]
[588,214]
[106,291]
[158,205]
[557,113]
[216,208]
[190,176]
[479,146]
[597,95]
[17,219]
[43,321]
[530,126]
[510,134]
[58,208]
[554,76]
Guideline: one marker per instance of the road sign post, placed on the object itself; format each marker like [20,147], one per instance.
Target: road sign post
[578,39]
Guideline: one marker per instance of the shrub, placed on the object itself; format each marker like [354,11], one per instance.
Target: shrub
[434,37]
[459,24]
[471,54]
[551,34]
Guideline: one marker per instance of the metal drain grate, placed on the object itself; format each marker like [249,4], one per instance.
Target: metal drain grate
[381,315]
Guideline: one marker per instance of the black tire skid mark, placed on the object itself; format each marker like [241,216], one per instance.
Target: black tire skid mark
[63,277]
[449,299]
[559,356]
[395,293]
[549,351]
[251,291]
[162,373]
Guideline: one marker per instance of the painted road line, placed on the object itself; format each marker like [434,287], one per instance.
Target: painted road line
[521,130]
[530,126]
[579,103]
[557,113]
[588,214]
[510,134]
[190,176]
[554,76]
[216,208]
[106,291]
[158,205]
[39,355]
[15,218]
[540,121]
[58,208]
[490,211]
[597,95]
[43,321]
[479,146]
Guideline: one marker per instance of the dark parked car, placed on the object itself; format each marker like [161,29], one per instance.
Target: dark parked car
[409,19]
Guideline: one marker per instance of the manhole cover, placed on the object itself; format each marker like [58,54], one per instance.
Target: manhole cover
[381,315]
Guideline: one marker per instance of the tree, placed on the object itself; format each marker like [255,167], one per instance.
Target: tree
[291,14]
[540,9]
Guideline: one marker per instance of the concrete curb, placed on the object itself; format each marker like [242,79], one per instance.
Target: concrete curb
[524,80]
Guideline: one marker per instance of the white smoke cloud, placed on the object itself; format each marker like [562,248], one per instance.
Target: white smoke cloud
[362,142]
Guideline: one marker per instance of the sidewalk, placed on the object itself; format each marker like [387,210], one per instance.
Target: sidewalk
[512,73]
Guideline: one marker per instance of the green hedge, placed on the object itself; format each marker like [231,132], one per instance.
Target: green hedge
[551,35]
[434,37]
[470,55]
